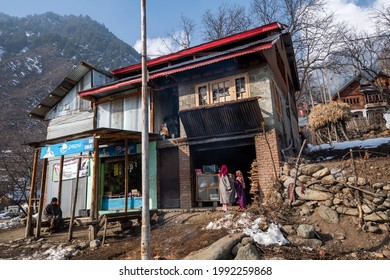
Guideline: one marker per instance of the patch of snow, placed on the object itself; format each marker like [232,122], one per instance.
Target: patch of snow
[360,144]
[15,82]
[34,64]
[54,253]
[245,223]
[29,33]
[11,223]
[24,50]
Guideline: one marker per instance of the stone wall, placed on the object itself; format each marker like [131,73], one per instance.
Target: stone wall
[334,192]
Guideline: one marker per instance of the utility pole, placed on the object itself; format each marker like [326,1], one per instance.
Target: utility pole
[145,228]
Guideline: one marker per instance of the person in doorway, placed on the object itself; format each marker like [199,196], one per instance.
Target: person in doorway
[53,213]
[226,188]
[239,185]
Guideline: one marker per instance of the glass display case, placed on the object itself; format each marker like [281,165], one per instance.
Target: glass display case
[207,188]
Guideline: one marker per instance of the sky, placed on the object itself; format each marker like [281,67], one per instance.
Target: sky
[123,17]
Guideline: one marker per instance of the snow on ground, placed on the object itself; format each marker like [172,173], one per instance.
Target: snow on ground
[59,252]
[356,144]
[10,223]
[244,223]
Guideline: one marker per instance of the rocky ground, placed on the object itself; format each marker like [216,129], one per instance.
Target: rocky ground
[331,215]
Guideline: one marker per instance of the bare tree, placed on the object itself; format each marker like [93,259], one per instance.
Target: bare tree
[228,20]
[16,160]
[182,37]
[314,31]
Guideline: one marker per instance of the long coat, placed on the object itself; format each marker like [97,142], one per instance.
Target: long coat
[226,190]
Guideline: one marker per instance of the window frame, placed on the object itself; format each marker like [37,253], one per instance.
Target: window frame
[231,89]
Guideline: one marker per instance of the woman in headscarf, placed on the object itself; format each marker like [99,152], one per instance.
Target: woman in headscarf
[226,188]
[239,185]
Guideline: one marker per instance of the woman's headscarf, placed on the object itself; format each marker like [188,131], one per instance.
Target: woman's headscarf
[240,178]
[224,170]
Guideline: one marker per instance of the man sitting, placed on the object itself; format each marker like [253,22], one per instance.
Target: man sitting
[53,213]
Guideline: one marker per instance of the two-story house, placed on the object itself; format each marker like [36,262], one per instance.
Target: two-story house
[229,101]
[368,100]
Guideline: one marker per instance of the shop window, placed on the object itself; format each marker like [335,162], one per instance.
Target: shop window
[231,88]
[114,178]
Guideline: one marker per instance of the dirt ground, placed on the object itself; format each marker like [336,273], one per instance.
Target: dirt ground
[176,233]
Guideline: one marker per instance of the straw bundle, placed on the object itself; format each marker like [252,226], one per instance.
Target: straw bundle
[324,115]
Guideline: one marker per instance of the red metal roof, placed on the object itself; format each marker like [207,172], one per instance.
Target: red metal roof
[201,48]
[190,65]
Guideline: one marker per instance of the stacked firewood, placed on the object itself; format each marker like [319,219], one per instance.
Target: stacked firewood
[254,178]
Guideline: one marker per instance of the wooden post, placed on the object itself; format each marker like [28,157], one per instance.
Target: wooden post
[145,227]
[95,182]
[29,231]
[70,234]
[126,173]
[43,191]
[60,180]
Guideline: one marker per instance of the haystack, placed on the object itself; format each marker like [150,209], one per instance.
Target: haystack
[328,117]
[330,113]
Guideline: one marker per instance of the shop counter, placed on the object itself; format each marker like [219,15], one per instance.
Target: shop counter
[114,203]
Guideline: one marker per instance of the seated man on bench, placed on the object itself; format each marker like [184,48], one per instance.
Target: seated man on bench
[53,214]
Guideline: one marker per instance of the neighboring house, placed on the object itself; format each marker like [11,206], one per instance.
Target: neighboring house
[230,101]
[366,100]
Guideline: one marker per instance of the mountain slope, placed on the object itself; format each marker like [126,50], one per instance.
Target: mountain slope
[37,52]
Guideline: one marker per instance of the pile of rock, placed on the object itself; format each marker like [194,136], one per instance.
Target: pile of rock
[336,193]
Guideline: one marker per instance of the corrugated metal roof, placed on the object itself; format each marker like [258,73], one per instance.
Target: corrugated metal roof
[203,47]
[57,94]
[222,119]
[120,86]
[105,135]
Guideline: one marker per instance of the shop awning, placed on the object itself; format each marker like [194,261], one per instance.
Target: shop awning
[104,135]
[223,119]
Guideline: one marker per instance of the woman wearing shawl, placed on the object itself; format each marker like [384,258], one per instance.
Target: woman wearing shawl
[239,185]
[226,188]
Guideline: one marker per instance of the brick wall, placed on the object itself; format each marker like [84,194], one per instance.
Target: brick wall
[185,177]
[267,158]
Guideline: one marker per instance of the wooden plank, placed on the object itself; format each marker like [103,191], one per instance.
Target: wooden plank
[60,180]
[43,190]
[126,174]
[70,234]
[94,196]
[29,231]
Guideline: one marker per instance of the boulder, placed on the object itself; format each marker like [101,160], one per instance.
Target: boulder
[347,211]
[379,217]
[219,250]
[309,194]
[247,252]
[328,214]
[321,173]
[305,179]
[378,185]
[368,209]
[330,179]
[311,243]
[306,231]
[95,243]
[310,169]
[288,181]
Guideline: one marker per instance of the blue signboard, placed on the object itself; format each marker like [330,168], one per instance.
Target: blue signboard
[67,148]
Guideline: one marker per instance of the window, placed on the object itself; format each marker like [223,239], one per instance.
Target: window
[240,87]
[202,95]
[223,90]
